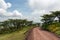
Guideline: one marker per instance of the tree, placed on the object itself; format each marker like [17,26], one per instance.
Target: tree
[56,14]
[47,19]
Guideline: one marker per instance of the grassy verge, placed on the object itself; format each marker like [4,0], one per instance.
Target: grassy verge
[55,28]
[18,35]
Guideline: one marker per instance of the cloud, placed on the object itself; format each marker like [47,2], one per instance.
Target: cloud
[10,15]
[40,12]
[43,4]
[2,11]
[4,5]
[8,5]
[38,7]
[41,7]
[34,18]
[16,13]
[4,14]
[47,5]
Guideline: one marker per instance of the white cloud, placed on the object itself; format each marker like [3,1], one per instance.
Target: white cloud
[10,15]
[4,14]
[2,11]
[43,4]
[4,5]
[41,7]
[47,5]
[16,13]
[40,12]
[8,5]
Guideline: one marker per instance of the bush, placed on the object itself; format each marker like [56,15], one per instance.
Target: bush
[54,28]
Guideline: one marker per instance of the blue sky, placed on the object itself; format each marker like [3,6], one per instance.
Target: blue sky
[20,5]
[27,9]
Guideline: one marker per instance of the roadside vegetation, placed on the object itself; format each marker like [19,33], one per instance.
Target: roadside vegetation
[15,29]
[17,35]
[51,22]
[55,28]
[13,25]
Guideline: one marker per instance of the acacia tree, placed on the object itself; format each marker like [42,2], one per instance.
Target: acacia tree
[15,24]
[47,19]
[56,14]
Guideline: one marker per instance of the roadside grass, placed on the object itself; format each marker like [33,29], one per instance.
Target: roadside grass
[55,28]
[17,35]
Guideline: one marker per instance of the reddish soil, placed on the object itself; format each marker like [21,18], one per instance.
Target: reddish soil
[38,34]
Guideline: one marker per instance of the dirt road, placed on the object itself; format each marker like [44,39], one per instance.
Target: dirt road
[38,34]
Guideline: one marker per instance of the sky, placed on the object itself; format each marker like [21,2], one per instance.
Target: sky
[27,9]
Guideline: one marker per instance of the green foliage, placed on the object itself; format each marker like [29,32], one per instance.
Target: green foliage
[54,28]
[17,35]
[50,24]
[13,25]
[58,32]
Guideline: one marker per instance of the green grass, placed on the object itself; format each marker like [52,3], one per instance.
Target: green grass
[54,28]
[18,35]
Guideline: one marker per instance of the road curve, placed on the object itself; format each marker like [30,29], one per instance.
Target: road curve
[38,34]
